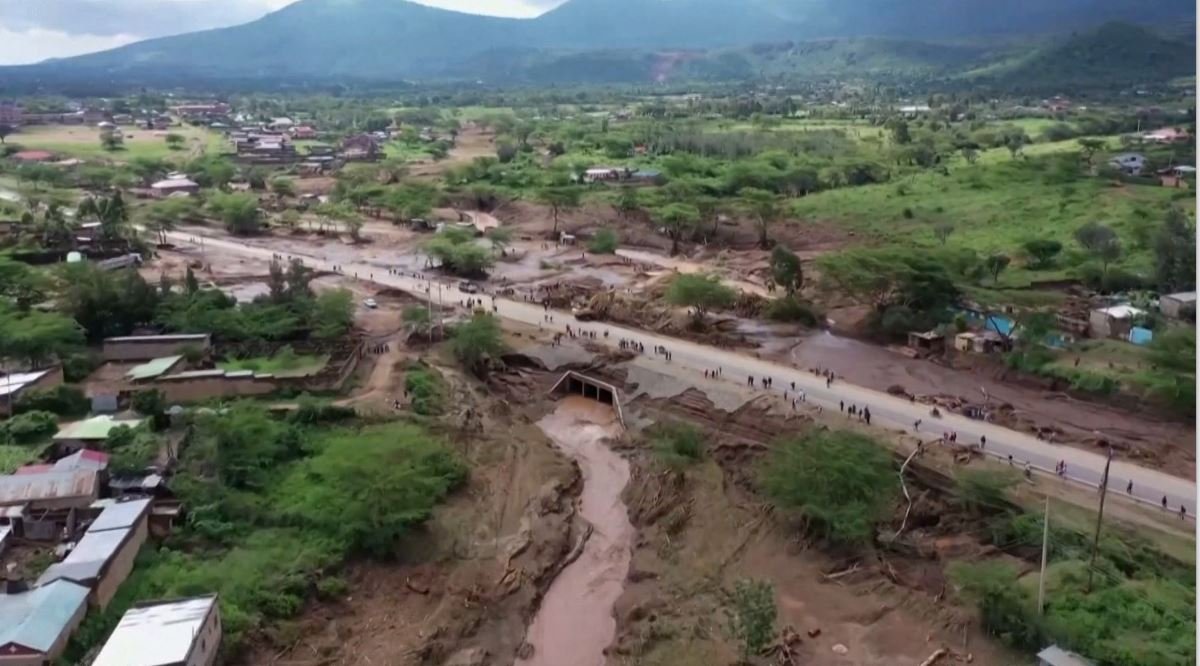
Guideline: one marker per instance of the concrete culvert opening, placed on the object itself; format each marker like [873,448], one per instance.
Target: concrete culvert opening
[574,383]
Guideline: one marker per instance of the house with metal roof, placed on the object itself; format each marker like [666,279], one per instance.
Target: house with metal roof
[165,633]
[13,384]
[36,624]
[50,490]
[149,347]
[89,433]
[153,369]
[104,557]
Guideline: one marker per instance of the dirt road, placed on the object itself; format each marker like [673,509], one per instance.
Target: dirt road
[575,622]
[1150,486]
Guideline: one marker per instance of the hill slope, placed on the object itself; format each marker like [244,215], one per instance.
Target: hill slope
[394,40]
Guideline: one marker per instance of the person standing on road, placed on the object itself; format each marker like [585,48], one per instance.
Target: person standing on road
[1164,502]
[1129,488]
[982,441]
[867,415]
[1182,512]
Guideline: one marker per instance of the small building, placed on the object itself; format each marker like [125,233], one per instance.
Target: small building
[178,632]
[1056,656]
[1113,322]
[104,557]
[48,490]
[304,132]
[119,262]
[14,384]
[603,174]
[981,342]
[649,176]
[361,148]
[11,113]
[149,347]
[82,459]
[1130,164]
[5,536]
[36,624]
[153,369]
[169,186]
[930,341]
[1178,306]
[89,433]
[1168,135]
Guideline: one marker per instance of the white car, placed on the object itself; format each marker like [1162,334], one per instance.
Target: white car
[370,303]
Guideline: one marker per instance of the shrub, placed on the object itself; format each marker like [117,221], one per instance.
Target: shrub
[31,426]
[792,309]
[604,242]
[424,388]
[752,616]
[64,400]
[677,445]
[843,495]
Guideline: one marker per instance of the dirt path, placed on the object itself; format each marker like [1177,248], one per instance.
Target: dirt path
[575,622]
[685,266]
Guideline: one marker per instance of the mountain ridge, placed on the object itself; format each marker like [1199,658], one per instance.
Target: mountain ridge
[396,40]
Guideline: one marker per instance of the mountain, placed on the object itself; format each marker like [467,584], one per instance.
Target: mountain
[392,40]
[1113,54]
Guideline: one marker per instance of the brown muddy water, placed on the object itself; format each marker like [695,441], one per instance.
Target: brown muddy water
[575,622]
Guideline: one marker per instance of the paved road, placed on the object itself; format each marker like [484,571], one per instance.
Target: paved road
[1149,486]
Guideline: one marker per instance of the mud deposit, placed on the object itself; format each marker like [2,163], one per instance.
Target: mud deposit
[575,622]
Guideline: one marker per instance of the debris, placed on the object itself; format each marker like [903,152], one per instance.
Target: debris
[813,633]
[844,572]
[841,649]
[935,657]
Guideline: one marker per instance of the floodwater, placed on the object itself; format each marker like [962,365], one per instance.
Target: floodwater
[9,195]
[575,622]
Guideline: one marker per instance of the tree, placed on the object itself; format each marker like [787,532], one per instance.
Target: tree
[1175,253]
[699,292]
[942,231]
[764,207]
[163,216]
[332,314]
[477,341]
[151,403]
[500,238]
[1042,252]
[239,212]
[786,269]
[6,130]
[604,242]
[106,303]
[174,141]
[1015,139]
[415,316]
[843,496]
[290,218]
[112,141]
[1093,236]
[628,201]
[559,198]
[1090,147]
[891,276]
[283,187]
[35,337]
[677,219]
[900,133]
[110,212]
[456,250]
[752,616]
[995,264]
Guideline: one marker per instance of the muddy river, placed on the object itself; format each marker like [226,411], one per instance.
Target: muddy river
[575,622]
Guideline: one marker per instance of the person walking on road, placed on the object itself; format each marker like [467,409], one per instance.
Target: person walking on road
[1129,488]
[1164,502]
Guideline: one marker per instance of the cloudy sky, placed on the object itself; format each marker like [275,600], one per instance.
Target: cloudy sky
[33,30]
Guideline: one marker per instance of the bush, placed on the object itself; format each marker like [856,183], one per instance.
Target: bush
[477,341]
[752,616]
[311,411]
[63,400]
[843,495]
[77,367]
[604,242]
[985,491]
[424,388]
[792,309]
[31,426]
[677,445]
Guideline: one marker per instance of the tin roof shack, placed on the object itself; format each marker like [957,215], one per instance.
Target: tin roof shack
[103,558]
[89,433]
[1112,322]
[149,347]
[36,624]
[1056,656]
[928,342]
[982,342]
[49,490]
[165,633]
[153,369]
[1178,306]
[13,384]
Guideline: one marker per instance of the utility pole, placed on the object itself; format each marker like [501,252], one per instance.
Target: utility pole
[1099,519]
[1045,548]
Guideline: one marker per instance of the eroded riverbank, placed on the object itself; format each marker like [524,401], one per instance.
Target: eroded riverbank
[575,622]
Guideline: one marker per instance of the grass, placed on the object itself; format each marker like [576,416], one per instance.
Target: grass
[995,207]
[284,363]
[12,457]
[84,142]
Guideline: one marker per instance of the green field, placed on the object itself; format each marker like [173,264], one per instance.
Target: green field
[284,363]
[12,457]
[84,142]
[995,207]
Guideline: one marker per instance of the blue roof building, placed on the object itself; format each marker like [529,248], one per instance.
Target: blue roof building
[38,622]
